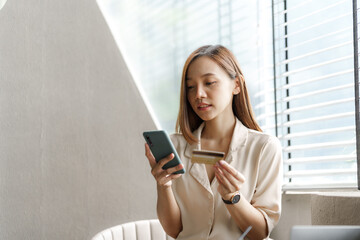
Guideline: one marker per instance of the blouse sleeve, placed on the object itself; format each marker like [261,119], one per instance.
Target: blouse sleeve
[267,196]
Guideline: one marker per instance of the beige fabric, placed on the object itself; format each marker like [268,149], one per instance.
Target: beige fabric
[257,156]
[139,230]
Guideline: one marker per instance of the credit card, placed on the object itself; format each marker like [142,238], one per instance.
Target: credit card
[206,157]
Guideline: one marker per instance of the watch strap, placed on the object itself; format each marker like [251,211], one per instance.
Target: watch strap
[226,201]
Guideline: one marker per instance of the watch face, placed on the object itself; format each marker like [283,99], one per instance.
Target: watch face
[236,198]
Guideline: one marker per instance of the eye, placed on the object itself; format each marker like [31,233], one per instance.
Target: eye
[210,83]
[189,87]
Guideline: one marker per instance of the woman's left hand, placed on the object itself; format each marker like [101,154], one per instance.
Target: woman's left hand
[230,180]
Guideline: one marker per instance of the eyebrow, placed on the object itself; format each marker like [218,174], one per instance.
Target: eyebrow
[204,75]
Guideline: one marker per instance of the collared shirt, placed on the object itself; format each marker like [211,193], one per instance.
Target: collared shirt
[257,156]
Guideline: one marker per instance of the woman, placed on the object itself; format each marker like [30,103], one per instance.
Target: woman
[218,201]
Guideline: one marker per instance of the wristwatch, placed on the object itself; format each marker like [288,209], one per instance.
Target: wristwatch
[235,198]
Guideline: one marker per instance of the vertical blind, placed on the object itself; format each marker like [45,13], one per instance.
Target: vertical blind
[315,101]
[297,58]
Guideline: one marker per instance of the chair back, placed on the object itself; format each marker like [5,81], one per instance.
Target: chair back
[138,230]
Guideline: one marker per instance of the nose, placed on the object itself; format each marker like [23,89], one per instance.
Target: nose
[200,93]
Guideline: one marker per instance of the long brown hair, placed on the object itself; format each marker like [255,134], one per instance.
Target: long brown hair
[188,120]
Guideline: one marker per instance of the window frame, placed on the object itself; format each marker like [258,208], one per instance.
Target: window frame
[356,79]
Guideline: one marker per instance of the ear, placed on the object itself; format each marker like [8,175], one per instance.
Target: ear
[236,90]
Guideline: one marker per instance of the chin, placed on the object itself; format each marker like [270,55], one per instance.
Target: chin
[205,117]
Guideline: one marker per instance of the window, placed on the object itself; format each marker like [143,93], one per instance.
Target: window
[297,58]
[315,92]
[157,36]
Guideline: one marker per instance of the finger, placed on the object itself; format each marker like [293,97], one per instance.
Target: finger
[221,188]
[168,178]
[234,182]
[166,159]
[218,177]
[170,171]
[157,169]
[149,156]
[230,169]
[223,180]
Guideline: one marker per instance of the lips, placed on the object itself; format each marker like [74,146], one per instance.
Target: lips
[203,106]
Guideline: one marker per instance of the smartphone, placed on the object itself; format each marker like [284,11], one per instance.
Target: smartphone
[161,147]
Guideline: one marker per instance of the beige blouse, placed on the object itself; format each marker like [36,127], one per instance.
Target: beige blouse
[257,156]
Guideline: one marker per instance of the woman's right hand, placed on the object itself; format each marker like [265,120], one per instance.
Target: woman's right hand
[163,177]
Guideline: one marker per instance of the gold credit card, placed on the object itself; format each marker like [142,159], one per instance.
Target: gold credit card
[207,157]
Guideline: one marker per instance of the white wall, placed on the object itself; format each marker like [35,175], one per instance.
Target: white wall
[71,150]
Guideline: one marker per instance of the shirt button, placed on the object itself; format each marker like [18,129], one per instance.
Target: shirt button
[210,221]
[209,196]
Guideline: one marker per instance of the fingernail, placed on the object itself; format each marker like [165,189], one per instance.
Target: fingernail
[222,162]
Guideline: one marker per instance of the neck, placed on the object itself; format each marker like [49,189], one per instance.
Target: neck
[219,128]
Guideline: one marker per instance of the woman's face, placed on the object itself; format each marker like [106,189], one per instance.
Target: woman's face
[209,89]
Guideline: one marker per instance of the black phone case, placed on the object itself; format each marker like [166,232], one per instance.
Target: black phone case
[161,147]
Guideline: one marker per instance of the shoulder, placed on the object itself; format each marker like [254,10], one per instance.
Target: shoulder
[177,139]
[268,151]
[264,140]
